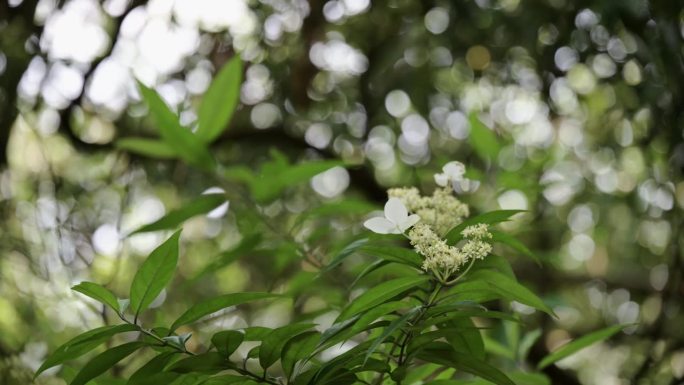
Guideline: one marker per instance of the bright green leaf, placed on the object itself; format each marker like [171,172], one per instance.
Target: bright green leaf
[510,289]
[98,293]
[82,344]
[394,326]
[154,274]
[220,101]
[483,140]
[183,142]
[380,294]
[508,240]
[579,344]
[152,148]
[105,360]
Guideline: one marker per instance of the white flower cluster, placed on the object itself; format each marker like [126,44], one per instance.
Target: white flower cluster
[442,211]
[432,217]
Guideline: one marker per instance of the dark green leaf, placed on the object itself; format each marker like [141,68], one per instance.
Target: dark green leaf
[153,366]
[220,101]
[394,254]
[98,293]
[579,344]
[483,140]
[183,142]
[394,326]
[174,218]
[273,344]
[154,274]
[443,354]
[82,344]
[152,148]
[508,240]
[380,294]
[297,348]
[213,305]
[227,341]
[510,289]
[344,253]
[210,362]
[489,218]
[105,360]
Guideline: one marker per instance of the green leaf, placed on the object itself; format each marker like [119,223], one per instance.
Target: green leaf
[394,254]
[394,326]
[344,253]
[515,244]
[220,101]
[273,344]
[465,338]
[98,293]
[154,274]
[183,142]
[152,148]
[203,204]
[155,365]
[82,344]
[483,140]
[227,341]
[380,294]
[441,353]
[105,360]
[490,218]
[209,362]
[510,289]
[527,342]
[297,348]
[579,344]
[215,304]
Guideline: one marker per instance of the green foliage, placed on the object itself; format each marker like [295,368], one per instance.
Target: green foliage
[220,101]
[409,320]
[579,344]
[154,274]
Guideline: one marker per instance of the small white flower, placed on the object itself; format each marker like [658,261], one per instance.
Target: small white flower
[396,220]
[451,172]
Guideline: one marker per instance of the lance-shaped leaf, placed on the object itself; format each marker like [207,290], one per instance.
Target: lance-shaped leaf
[153,366]
[274,342]
[298,347]
[510,289]
[105,360]
[152,148]
[579,344]
[515,244]
[483,140]
[442,353]
[215,304]
[154,274]
[220,101]
[391,328]
[82,344]
[183,142]
[202,205]
[98,293]
[380,294]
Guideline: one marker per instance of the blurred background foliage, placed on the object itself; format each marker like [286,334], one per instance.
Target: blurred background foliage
[572,110]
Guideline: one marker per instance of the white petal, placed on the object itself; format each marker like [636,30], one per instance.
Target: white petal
[409,222]
[454,170]
[395,211]
[441,179]
[381,226]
